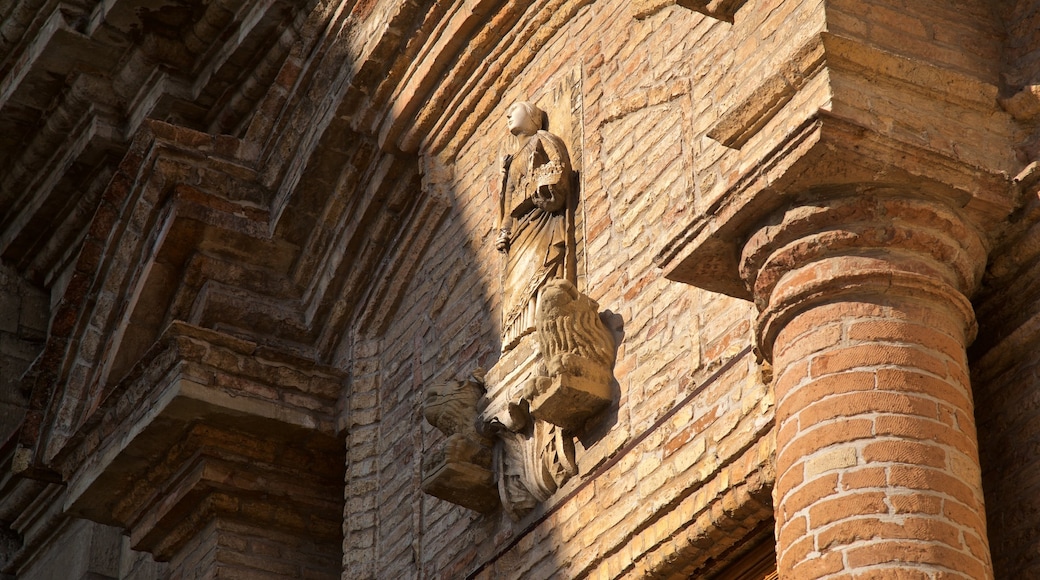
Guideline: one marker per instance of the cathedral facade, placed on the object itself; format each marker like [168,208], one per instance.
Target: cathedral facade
[347,289]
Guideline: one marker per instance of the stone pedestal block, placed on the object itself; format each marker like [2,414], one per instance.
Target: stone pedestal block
[466,484]
[567,400]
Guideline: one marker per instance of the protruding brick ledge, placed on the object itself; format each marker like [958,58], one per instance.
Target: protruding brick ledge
[218,456]
[861,244]
[718,9]
[865,317]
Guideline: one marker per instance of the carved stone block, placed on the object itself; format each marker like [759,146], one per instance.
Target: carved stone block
[459,468]
[454,472]
[578,352]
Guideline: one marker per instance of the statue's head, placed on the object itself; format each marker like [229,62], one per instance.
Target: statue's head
[525,118]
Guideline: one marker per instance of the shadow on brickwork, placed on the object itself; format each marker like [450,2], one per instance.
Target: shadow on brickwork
[1004,381]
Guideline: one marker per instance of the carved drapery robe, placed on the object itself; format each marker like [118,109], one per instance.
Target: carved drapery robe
[533,213]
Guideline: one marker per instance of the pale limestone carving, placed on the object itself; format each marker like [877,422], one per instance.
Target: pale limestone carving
[532,466]
[533,219]
[578,353]
[556,370]
[528,462]
[459,468]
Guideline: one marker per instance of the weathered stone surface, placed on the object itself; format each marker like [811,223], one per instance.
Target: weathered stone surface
[458,469]
[578,354]
[203,440]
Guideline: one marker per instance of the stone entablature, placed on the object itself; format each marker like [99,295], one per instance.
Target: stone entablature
[213,435]
[860,245]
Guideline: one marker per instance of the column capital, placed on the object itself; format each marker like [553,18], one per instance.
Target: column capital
[863,239]
[824,130]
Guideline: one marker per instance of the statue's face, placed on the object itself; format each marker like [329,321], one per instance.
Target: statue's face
[520,121]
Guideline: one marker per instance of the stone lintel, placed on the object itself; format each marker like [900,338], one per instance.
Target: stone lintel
[718,9]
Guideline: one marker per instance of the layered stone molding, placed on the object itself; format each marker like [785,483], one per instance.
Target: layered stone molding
[249,456]
[191,246]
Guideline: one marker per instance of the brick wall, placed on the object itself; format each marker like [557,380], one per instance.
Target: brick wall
[81,549]
[1022,65]
[1006,378]
[647,94]
[679,470]
[24,314]
[676,478]
[1004,369]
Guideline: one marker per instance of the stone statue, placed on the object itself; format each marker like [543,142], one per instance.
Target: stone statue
[533,216]
[510,433]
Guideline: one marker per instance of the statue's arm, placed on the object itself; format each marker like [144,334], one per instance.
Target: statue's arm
[503,228]
[552,178]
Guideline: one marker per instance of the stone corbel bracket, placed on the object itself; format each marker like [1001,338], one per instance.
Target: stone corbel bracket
[458,469]
[510,432]
[578,353]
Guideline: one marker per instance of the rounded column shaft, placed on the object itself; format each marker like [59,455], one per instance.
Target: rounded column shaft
[866,320]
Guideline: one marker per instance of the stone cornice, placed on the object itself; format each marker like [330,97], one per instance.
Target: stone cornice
[825,150]
[195,240]
[183,413]
[76,85]
[272,232]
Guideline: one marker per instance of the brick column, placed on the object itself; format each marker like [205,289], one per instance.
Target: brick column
[865,316]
